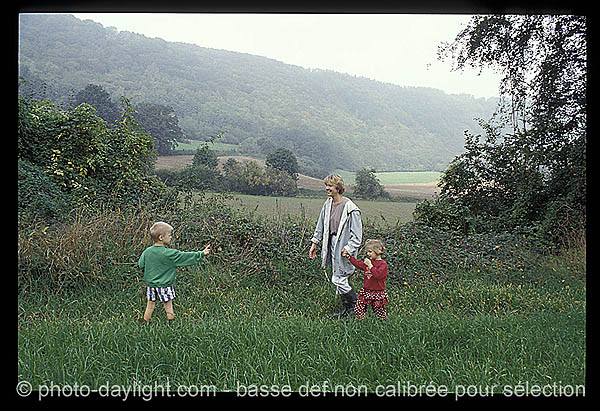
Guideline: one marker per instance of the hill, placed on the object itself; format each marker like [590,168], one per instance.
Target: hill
[329,120]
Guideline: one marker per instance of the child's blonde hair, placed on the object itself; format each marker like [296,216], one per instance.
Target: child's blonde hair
[159,228]
[375,245]
[337,181]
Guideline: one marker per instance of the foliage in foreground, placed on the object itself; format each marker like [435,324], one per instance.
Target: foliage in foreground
[489,310]
[261,250]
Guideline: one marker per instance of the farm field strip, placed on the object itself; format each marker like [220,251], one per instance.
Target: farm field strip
[417,185]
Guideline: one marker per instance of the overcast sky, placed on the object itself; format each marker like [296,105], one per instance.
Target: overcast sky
[393,48]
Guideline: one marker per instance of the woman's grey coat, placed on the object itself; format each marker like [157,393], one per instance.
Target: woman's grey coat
[349,236]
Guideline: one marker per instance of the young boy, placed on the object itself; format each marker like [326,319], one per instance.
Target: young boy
[376,272]
[159,264]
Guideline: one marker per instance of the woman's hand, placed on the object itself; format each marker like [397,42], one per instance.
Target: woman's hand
[313,251]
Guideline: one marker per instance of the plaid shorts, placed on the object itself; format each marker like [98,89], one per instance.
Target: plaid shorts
[163,294]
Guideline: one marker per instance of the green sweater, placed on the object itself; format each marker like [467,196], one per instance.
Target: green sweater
[159,264]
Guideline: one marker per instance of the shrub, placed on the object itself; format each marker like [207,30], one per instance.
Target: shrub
[89,163]
[38,195]
[89,247]
[102,247]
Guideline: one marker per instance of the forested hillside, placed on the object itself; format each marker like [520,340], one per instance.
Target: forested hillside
[327,119]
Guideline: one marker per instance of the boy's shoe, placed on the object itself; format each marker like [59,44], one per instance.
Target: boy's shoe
[142,321]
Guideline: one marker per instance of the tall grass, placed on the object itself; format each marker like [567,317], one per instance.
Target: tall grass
[478,311]
[88,247]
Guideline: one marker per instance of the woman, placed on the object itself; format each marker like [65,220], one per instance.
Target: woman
[339,227]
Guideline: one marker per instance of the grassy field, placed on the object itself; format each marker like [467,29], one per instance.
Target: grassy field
[382,212]
[195,144]
[479,312]
[396,177]
[228,334]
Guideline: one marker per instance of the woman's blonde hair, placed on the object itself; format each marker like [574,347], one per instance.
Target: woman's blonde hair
[335,180]
[375,245]
[159,228]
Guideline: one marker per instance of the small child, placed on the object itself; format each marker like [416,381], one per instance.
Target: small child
[159,264]
[376,272]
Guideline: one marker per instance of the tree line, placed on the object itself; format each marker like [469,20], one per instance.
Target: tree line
[531,177]
[279,177]
[94,151]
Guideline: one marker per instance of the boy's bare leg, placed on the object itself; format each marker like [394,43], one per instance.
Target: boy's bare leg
[149,310]
[169,309]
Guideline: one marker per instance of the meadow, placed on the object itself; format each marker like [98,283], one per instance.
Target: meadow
[193,145]
[382,212]
[493,312]
[396,177]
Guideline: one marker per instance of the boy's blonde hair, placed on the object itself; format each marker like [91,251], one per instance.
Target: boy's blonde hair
[159,228]
[337,181]
[375,245]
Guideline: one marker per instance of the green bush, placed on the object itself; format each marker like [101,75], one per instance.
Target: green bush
[260,250]
[85,163]
[38,195]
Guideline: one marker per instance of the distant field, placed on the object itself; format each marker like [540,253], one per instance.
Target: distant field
[194,144]
[382,212]
[417,185]
[396,177]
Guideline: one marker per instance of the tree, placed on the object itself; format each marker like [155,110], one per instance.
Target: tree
[283,159]
[99,98]
[162,124]
[543,60]
[203,173]
[534,175]
[280,182]
[367,185]
[254,179]
[205,157]
[232,173]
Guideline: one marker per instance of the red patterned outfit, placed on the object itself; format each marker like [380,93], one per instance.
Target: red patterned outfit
[373,291]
